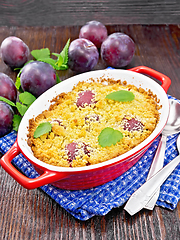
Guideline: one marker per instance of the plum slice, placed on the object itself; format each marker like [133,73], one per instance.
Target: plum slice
[85,98]
[132,124]
[77,149]
[91,118]
[59,122]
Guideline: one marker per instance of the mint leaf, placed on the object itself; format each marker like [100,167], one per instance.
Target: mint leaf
[64,52]
[62,60]
[21,108]
[41,53]
[121,96]
[16,122]
[63,67]
[51,61]
[57,79]
[27,98]
[109,136]
[18,83]
[59,61]
[43,128]
[56,54]
[7,101]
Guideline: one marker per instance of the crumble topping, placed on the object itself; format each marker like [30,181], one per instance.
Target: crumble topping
[78,117]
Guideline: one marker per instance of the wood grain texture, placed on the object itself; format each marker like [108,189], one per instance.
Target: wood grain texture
[32,214]
[77,12]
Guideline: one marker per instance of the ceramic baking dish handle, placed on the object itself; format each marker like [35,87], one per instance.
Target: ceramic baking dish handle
[45,178]
[166,81]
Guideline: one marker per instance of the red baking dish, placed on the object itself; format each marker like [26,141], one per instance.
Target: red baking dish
[93,175]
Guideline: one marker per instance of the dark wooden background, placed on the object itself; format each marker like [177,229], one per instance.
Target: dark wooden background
[77,12]
[154,26]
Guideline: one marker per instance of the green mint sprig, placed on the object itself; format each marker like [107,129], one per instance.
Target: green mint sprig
[109,136]
[42,128]
[60,63]
[41,53]
[62,58]
[121,96]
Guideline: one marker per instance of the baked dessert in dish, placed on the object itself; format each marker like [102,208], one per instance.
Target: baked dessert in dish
[95,122]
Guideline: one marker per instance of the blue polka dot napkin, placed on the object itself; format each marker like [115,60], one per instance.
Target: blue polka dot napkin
[84,204]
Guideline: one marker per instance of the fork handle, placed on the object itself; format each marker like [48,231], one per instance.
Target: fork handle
[141,197]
